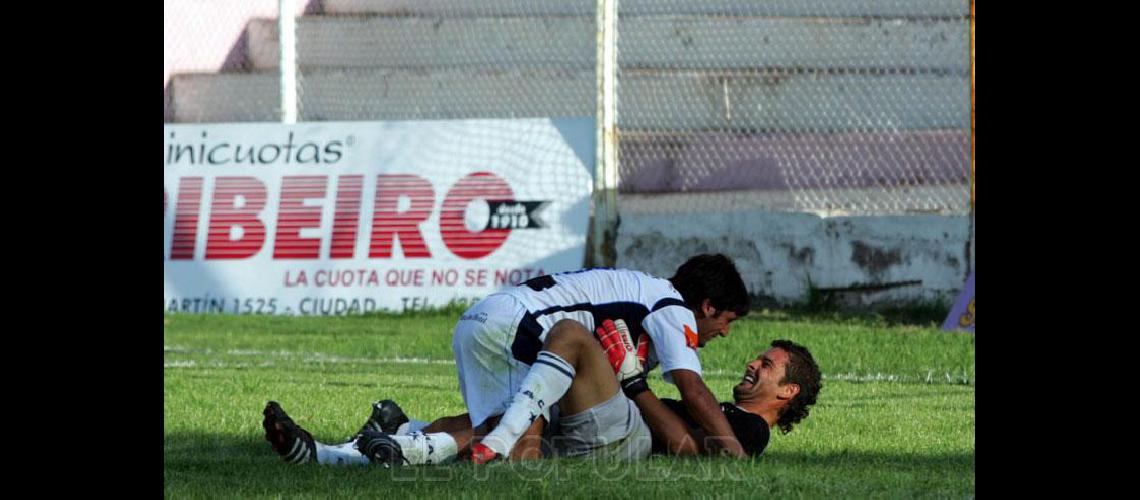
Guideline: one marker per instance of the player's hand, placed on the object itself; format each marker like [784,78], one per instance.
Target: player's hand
[627,361]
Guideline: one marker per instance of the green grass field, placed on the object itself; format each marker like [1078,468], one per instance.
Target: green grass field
[895,417]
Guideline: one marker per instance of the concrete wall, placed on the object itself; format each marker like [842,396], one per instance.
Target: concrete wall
[863,260]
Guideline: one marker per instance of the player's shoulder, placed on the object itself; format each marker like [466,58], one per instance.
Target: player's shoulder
[730,410]
[751,430]
[658,292]
[593,273]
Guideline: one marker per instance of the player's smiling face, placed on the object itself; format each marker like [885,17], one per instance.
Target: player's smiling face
[711,327]
[712,323]
[762,377]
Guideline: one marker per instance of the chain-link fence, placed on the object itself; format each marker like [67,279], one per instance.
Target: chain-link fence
[827,106]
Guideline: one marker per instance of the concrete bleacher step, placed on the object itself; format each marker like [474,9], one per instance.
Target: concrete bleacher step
[645,41]
[648,99]
[659,162]
[797,8]
[654,161]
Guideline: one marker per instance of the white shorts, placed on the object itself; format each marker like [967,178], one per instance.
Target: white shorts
[489,374]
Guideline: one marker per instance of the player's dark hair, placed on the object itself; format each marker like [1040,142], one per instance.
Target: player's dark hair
[712,277]
[803,371]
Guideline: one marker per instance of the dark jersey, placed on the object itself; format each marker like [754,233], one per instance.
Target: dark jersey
[751,430]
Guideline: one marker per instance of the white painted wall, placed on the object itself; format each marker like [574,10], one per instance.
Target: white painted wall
[778,253]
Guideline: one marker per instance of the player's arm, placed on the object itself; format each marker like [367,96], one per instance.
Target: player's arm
[665,425]
[672,327]
[629,367]
[705,410]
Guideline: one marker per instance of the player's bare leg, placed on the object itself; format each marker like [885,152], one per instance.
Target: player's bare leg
[458,423]
[571,370]
[594,383]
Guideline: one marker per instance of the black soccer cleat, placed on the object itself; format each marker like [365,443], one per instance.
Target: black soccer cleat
[381,449]
[387,417]
[294,444]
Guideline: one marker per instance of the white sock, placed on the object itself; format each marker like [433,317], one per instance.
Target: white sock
[412,425]
[547,381]
[427,449]
[340,454]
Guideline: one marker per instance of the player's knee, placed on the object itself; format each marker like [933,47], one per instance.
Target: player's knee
[566,332]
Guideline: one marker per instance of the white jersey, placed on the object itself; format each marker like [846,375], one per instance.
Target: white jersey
[648,304]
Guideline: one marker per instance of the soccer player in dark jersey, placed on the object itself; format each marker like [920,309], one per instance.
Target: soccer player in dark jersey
[777,390]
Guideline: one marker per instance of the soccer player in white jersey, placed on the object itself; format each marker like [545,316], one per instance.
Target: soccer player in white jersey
[499,350]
